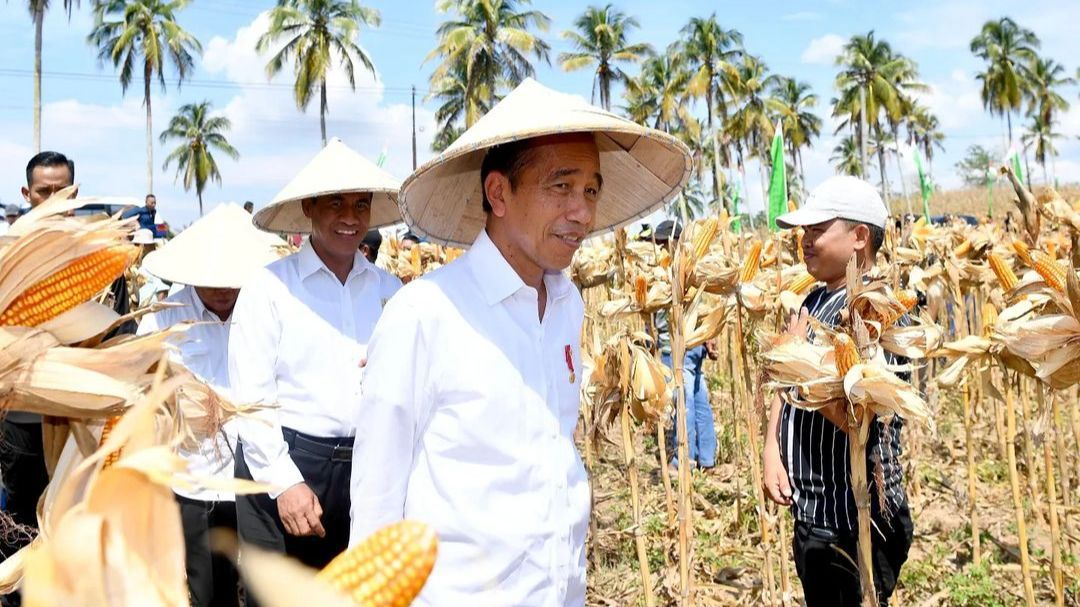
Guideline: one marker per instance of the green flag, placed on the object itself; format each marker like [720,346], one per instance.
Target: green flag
[924,186]
[381,160]
[778,194]
[736,223]
[1017,166]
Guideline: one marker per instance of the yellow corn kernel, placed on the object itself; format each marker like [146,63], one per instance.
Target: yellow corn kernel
[641,290]
[845,353]
[963,248]
[1053,273]
[1004,273]
[704,235]
[798,242]
[387,569]
[1022,251]
[71,286]
[802,283]
[106,430]
[751,263]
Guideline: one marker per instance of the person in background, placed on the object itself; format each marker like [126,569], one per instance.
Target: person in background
[409,240]
[369,246]
[300,330]
[147,214]
[249,207]
[213,258]
[700,425]
[11,213]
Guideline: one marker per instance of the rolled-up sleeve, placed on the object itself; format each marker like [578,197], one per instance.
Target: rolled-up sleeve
[253,344]
[393,402]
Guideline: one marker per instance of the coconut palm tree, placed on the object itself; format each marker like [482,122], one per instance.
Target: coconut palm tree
[690,204]
[315,33]
[711,52]
[871,80]
[489,42]
[200,134]
[793,101]
[924,133]
[753,121]
[1045,78]
[659,93]
[38,8]
[140,36]
[456,108]
[846,157]
[600,39]
[1007,49]
[1040,136]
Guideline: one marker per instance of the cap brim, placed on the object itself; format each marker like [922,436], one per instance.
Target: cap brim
[803,217]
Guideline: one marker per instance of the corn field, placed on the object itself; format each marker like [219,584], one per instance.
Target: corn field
[992,455]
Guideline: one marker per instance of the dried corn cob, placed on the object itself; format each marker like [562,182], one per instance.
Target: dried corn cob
[641,290]
[752,262]
[704,235]
[1054,273]
[802,283]
[387,569]
[845,353]
[1004,273]
[1022,251]
[989,318]
[72,285]
[106,430]
[963,248]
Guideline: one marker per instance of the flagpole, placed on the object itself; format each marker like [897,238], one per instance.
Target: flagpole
[414,127]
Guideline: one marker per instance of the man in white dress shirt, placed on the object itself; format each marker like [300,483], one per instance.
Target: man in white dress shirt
[213,258]
[471,388]
[301,328]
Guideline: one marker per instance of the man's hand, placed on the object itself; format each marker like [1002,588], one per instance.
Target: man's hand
[711,350]
[776,482]
[300,511]
[798,324]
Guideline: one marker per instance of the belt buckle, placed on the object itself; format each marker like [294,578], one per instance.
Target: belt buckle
[342,453]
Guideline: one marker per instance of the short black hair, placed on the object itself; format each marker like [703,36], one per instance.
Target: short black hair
[506,158]
[411,237]
[249,204]
[877,233]
[149,196]
[48,159]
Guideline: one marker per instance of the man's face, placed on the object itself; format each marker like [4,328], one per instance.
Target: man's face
[828,246]
[218,301]
[11,218]
[553,207]
[151,203]
[46,181]
[339,223]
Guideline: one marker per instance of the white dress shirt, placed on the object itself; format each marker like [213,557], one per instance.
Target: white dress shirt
[297,340]
[466,423]
[204,352]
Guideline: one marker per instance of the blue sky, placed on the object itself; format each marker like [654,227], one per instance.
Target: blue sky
[87,116]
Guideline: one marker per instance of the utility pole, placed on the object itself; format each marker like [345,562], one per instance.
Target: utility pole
[414,127]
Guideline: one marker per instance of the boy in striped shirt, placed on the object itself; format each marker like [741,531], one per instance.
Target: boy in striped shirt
[806,452]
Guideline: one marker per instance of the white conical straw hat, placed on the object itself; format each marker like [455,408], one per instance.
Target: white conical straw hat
[642,167]
[223,250]
[336,169]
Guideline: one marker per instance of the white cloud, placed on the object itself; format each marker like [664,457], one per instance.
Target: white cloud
[956,102]
[823,50]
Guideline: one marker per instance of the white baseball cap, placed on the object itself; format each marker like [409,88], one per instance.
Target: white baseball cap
[840,197]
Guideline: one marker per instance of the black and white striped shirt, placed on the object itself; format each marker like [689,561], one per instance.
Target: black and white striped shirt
[815,451]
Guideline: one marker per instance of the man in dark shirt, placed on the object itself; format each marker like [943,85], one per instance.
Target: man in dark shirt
[806,452]
[146,214]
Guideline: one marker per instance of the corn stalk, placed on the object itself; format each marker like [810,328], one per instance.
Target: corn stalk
[1014,484]
[635,502]
[1056,576]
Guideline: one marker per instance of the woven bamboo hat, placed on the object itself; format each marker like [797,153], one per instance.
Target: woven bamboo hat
[642,167]
[336,169]
[222,250]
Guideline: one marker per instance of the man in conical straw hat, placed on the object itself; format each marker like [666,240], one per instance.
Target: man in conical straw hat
[213,258]
[472,384]
[301,328]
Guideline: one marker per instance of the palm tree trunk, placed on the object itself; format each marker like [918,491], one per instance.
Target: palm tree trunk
[322,111]
[198,193]
[863,130]
[1046,178]
[716,148]
[147,72]
[881,167]
[900,166]
[1008,121]
[39,23]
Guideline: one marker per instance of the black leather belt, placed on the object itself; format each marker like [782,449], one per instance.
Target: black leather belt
[338,449]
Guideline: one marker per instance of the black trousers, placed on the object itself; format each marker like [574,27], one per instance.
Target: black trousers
[22,462]
[831,579]
[212,579]
[326,465]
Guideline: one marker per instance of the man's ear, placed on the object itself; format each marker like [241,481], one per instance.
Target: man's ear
[26,194]
[497,189]
[862,238]
[305,205]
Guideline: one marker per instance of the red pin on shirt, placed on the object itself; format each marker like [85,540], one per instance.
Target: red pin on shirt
[570,361]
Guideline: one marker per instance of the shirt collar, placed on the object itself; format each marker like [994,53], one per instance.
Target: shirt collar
[498,280]
[201,311]
[310,262]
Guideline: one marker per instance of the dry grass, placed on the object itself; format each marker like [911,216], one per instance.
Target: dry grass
[971,201]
